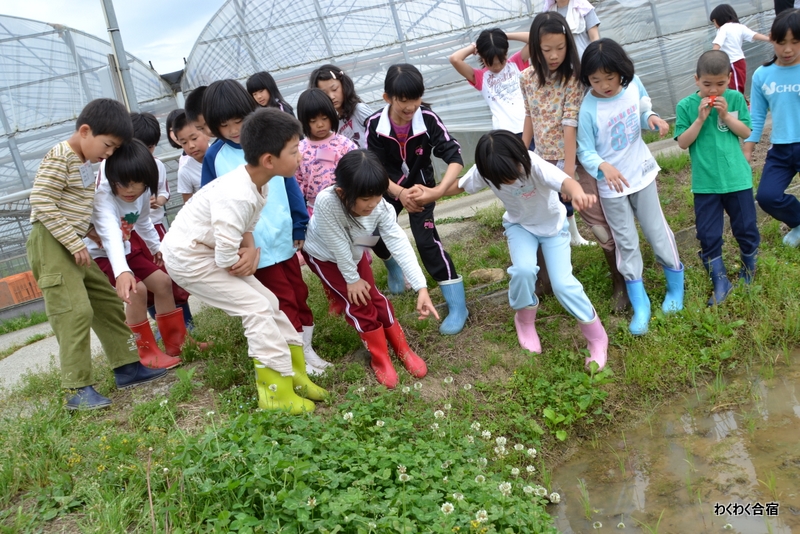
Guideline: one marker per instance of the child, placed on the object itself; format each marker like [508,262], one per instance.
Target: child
[281,230]
[345,217]
[610,147]
[121,206]
[581,18]
[147,130]
[76,293]
[210,251]
[168,125]
[709,123]
[403,135]
[730,35]
[322,148]
[528,187]
[775,89]
[266,93]
[194,109]
[353,113]
[552,93]
[194,143]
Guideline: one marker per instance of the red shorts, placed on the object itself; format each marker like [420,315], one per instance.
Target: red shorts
[141,266]
[738,75]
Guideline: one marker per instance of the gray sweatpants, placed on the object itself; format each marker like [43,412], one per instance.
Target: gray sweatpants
[646,208]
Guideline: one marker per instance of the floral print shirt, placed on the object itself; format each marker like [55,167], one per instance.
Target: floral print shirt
[316,171]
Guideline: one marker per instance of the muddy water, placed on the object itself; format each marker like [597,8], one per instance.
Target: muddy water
[692,459]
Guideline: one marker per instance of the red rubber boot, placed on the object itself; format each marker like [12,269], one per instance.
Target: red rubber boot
[397,339]
[149,353]
[173,332]
[375,343]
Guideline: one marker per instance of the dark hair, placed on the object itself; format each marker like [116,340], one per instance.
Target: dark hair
[226,100]
[491,44]
[132,163]
[105,116]
[404,81]
[313,103]
[266,132]
[193,105]
[263,80]
[551,22]
[179,122]
[607,56]
[723,14]
[146,128]
[713,63]
[787,21]
[169,126]
[360,174]
[499,155]
[332,72]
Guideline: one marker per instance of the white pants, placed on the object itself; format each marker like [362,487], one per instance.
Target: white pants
[269,332]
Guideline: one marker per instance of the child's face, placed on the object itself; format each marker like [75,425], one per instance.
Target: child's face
[231,129]
[333,88]
[319,127]
[262,97]
[97,148]
[712,84]
[192,141]
[366,205]
[605,84]
[286,164]
[401,110]
[554,49]
[788,50]
[130,192]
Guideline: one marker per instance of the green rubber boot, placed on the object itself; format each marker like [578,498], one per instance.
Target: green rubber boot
[276,392]
[302,384]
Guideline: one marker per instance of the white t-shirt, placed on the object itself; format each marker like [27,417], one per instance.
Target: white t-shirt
[503,95]
[730,37]
[531,202]
[353,128]
[157,215]
[189,175]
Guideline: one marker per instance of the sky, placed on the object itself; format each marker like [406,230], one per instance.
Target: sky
[161,31]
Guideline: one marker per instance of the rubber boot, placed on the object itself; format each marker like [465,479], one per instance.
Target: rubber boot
[525,323]
[619,295]
[641,307]
[86,398]
[375,343]
[673,300]
[543,285]
[302,384]
[149,354]
[575,238]
[173,332]
[397,339]
[276,392]
[596,335]
[314,364]
[748,270]
[395,279]
[792,239]
[719,278]
[453,292]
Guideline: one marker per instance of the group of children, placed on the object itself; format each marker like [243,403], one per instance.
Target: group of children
[330,187]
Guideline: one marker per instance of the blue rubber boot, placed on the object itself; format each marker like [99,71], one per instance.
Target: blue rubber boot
[641,307]
[719,277]
[793,237]
[673,300]
[86,398]
[132,374]
[453,292]
[748,270]
[395,278]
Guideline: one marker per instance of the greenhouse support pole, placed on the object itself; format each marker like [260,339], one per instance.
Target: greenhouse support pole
[119,53]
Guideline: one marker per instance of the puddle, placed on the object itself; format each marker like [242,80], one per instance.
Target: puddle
[690,461]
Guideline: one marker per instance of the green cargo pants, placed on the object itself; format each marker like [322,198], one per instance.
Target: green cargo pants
[78,298]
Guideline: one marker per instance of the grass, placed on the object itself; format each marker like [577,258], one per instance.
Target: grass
[8,351]
[23,321]
[651,137]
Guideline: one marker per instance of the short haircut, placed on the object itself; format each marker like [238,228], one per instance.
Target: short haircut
[786,21]
[723,14]
[502,158]
[552,22]
[263,80]
[332,72]
[607,56]
[360,174]
[491,44]
[193,105]
[146,128]
[132,163]
[713,63]
[105,116]
[267,131]
[404,81]
[179,122]
[225,100]
[313,103]
[169,126]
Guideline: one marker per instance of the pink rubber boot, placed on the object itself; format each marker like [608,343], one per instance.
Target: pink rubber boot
[595,334]
[525,320]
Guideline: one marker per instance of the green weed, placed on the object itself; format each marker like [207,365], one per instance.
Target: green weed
[28,341]
[23,321]
[584,498]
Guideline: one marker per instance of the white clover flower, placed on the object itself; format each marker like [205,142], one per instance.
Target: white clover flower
[273,387]
[458,496]
[519,447]
[312,502]
[379,423]
[289,469]
[418,385]
[514,472]
[501,441]
[621,525]
[505,488]
[467,387]
[481,516]
[442,434]
[476,426]
[448,380]
[486,434]
[555,498]
[447,464]
[530,469]
[406,389]
[163,403]
[480,479]
[541,491]
[361,390]
[209,414]
[470,439]
[274,443]
[401,468]
[348,416]
[528,490]
[372,525]
[482,462]
[448,406]
[166,470]
[727,526]
[597,525]
[532,452]
[404,477]
[499,451]
[435,426]
[444,480]
[438,414]
[447,508]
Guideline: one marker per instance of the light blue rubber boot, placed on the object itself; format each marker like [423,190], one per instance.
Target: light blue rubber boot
[673,300]
[792,239]
[641,307]
[395,278]
[453,292]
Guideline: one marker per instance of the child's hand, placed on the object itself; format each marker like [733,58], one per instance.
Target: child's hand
[613,177]
[408,201]
[92,234]
[423,195]
[657,123]
[721,105]
[298,244]
[424,305]
[82,257]
[358,293]
[248,261]
[126,283]
[154,202]
[158,259]
[583,201]
[705,109]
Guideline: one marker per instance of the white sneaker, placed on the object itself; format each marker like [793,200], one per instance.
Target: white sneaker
[315,365]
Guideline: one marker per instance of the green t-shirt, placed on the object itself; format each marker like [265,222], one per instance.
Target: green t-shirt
[718,163]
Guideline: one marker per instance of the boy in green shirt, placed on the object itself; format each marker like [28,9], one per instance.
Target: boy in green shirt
[77,295]
[709,123]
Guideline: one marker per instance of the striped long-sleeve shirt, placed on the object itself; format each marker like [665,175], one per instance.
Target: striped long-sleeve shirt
[60,200]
